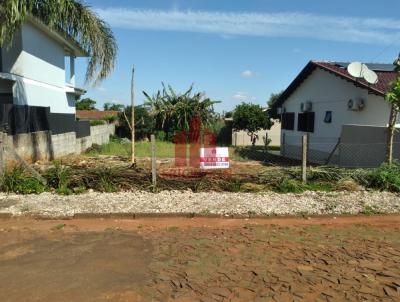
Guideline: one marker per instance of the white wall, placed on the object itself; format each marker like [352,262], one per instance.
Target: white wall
[328,92]
[241,138]
[41,59]
[37,63]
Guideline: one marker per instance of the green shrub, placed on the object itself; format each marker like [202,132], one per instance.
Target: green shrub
[16,181]
[161,136]
[97,122]
[106,180]
[290,186]
[58,176]
[386,177]
[64,191]
[110,119]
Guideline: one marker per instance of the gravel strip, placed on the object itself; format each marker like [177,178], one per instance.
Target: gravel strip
[269,203]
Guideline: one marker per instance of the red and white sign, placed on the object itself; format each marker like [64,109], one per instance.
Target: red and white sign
[214,158]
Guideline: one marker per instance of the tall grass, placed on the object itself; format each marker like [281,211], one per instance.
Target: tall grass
[122,147]
[16,181]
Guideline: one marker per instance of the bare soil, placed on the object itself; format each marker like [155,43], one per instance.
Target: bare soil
[180,259]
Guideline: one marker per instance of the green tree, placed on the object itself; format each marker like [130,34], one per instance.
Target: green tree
[113,107]
[85,104]
[144,123]
[71,17]
[393,97]
[250,118]
[173,111]
[272,109]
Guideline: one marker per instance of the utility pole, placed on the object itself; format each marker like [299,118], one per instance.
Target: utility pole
[133,115]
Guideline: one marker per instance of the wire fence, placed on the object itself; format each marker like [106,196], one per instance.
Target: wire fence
[302,151]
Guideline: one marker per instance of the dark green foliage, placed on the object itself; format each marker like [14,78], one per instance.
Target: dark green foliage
[113,107]
[111,119]
[16,181]
[223,131]
[97,122]
[272,108]
[250,118]
[85,104]
[144,123]
[386,177]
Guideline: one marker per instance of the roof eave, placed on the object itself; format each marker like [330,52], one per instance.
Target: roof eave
[68,43]
[305,73]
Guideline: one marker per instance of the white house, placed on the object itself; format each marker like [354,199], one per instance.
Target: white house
[37,71]
[324,101]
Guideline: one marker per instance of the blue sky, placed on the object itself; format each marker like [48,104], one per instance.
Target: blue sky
[238,50]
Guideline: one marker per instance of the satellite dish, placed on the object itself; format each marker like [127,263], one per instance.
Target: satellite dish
[370,76]
[355,69]
[360,70]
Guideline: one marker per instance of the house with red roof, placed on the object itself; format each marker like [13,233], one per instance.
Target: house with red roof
[339,113]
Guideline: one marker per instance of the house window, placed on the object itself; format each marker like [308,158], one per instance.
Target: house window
[288,121]
[328,117]
[305,122]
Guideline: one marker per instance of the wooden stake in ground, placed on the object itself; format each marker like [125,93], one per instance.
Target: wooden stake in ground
[133,114]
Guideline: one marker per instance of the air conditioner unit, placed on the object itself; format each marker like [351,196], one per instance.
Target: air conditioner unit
[305,107]
[356,105]
[308,106]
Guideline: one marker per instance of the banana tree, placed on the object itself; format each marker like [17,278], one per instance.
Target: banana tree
[174,111]
[72,18]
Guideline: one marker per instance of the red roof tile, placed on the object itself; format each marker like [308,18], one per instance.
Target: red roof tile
[384,79]
[94,114]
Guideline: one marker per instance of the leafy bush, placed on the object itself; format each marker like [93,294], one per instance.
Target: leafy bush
[386,177]
[161,136]
[296,186]
[97,122]
[110,119]
[58,176]
[15,181]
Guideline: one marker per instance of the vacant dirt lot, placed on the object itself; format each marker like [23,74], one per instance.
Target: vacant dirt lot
[321,259]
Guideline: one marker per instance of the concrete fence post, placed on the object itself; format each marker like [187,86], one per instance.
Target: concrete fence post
[304,158]
[2,142]
[283,144]
[153,161]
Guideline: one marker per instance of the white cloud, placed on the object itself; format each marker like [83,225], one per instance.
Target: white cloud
[302,25]
[248,74]
[241,96]
[101,88]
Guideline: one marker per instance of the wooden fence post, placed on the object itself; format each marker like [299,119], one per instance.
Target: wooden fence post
[153,161]
[304,158]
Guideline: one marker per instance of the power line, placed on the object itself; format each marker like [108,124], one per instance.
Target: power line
[385,49]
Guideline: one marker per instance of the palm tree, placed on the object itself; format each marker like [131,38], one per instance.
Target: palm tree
[71,17]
